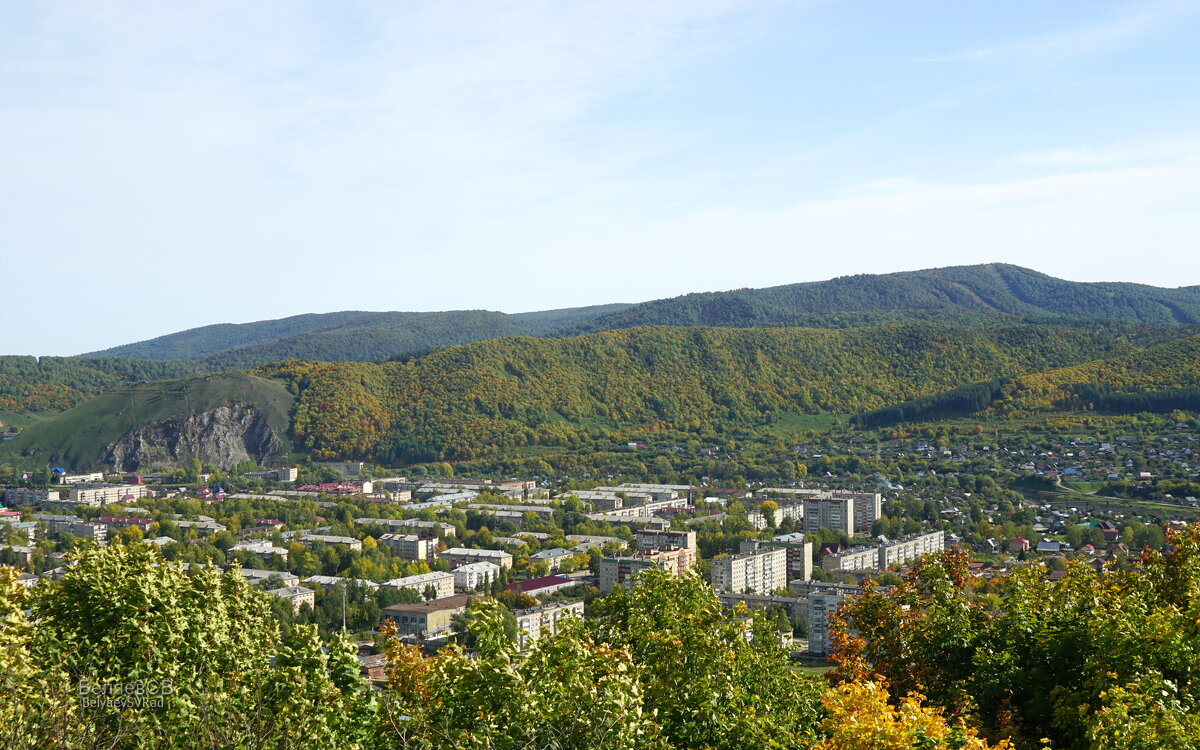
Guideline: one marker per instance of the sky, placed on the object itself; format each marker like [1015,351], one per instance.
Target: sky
[172,165]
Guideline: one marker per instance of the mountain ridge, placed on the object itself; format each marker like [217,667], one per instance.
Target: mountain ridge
[970,295]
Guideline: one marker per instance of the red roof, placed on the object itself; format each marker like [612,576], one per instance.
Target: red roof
[534,584]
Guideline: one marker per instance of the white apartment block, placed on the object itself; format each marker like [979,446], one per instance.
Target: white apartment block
[910,547]
[442,583]
[799,553]
[103,494]
[473,576]
[759,572]
[537,622]
[436,527]
[887,553]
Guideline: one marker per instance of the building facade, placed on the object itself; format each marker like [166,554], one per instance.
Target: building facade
[762,571]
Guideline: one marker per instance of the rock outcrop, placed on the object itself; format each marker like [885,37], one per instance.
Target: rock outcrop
[224,436]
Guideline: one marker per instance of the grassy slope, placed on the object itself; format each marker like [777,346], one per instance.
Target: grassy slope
[80,436]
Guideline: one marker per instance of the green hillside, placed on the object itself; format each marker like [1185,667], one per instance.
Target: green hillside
[493,396]
[977,291]
[994,294]
[80,437]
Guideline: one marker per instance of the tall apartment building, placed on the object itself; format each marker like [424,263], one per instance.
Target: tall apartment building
[442,583]
[620,571]
[417,547]
[799,553]
[822,603]
[834,513]
[649,539]
[537,622]
[759,572]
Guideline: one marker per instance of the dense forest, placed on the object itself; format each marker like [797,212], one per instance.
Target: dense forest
[494,396]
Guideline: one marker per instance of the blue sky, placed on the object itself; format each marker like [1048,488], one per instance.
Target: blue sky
[171,165]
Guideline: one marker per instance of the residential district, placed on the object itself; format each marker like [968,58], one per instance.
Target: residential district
[362,549]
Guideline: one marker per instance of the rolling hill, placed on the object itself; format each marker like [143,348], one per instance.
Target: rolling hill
[960,295]
[345,336]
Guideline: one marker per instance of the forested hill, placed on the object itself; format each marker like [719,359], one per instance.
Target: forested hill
[962,295]
[945,294]
[346,336]
[495,396]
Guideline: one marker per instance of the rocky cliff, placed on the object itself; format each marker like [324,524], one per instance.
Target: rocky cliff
[223,436]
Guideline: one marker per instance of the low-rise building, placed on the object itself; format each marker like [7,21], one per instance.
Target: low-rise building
[429,619]
[258,577]
[543,586]
[435,527]
[349,542]
[297,595]
[261,547]
[552,557]
[329,582]
[116,523]
[57,525]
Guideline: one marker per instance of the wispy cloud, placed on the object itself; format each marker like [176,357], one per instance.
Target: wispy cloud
[1132,24]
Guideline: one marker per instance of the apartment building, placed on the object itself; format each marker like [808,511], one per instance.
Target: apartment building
[416,547]
[649,539]
[474,576]
[349,542]
[442,583]
[834,513]
[297,595]
[433,527]
[620,571]
[102,494]
[463,556]
[799,553]
[429,619]
[886,553]
[537,622]
[822,603]
[23,496]
[57,525]
[759,572]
